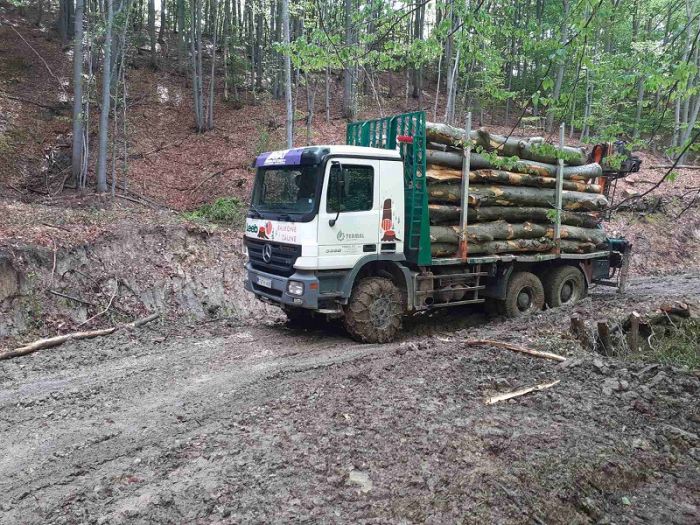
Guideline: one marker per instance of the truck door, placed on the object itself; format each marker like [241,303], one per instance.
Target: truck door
[349,213]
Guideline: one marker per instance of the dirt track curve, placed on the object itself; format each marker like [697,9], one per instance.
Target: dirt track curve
[261,424]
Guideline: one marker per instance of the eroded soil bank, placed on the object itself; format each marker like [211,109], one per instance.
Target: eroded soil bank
[232,423]
[178,268]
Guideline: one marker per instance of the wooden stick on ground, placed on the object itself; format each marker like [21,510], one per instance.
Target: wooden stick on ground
[59,340]
[514,348]
[517,393]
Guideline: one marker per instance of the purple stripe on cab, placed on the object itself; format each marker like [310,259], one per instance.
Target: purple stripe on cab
[260,161]
[291,157]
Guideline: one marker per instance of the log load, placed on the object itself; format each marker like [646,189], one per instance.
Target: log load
[442,174]
[449,214]
[453,159]
[502,230]
[531,149]
[497,195]
[511,246]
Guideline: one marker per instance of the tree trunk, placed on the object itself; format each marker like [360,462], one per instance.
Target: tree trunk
[502,230]
[532,148]
[511,246]
[212,81]
[106,102]
[480,195]
[446,214]
[562,64]
[441,174]
[163,22]
[348,71]
[152,32]
[77,151]
[453,159]
[288,75]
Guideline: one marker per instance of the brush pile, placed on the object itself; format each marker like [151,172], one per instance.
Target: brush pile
[512,185]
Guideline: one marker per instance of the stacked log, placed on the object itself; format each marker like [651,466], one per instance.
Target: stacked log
[512,195]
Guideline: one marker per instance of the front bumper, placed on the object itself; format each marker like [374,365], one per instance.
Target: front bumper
[277,291]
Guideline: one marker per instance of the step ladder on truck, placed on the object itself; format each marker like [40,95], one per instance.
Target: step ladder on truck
[344,231]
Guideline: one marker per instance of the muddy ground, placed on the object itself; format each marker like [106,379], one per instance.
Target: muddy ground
[233,423]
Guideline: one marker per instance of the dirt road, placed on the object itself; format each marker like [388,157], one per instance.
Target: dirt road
[241,424]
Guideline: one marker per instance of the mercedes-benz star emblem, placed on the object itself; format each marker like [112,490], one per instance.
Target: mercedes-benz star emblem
[267,253]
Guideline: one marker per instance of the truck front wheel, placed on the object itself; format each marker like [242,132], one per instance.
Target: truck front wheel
[564,285]
[373,313]
[524,295]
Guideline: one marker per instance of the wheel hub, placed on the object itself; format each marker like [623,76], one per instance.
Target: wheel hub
[524,299]
[567,292]
[380,312]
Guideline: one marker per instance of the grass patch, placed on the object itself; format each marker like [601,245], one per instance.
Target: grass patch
[679,345]
[226,210]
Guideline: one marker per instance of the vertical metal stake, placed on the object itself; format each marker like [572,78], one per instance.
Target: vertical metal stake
[466,164]
[560,184]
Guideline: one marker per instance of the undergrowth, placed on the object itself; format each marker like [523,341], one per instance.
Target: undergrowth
[226,210]
[679,346]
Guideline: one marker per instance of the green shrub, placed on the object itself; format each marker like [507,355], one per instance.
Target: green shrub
[226,210]
[678,346]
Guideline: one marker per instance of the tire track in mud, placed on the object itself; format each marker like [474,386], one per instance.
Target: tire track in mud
[127,427]
[114,425]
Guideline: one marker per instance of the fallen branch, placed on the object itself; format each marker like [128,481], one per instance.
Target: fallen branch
[510,395]
[137,201]
[28,101]
[76,299]
[60,81]
[74,336]
[109,305]
[514,348]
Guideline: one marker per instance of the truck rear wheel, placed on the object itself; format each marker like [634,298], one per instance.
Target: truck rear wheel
[564,285]
[373,313]
[524,295]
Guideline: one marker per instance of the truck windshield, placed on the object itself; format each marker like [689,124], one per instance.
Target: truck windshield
[286,190]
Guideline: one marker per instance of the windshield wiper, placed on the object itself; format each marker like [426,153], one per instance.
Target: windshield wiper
[256,210]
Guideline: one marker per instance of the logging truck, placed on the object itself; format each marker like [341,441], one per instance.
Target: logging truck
[345,232]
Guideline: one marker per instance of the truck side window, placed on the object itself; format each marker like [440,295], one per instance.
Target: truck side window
[358,190]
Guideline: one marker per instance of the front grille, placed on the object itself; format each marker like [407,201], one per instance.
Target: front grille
[283,257]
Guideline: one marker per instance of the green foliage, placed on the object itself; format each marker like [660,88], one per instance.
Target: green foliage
[677,346]
[226,210]
[552,215]
[549,150]
[615,160]
[499,163]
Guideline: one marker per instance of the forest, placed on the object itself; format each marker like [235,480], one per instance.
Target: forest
[608,69]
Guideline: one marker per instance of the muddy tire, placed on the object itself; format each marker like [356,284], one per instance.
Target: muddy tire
[299,317]
[373,313]
[563,286]
[524,295]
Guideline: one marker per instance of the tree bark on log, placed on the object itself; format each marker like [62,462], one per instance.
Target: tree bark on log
[511,246]
[494,195]
[443,174]
[530,149]
[501,230]
[453,159]
[446,134]
[446,213]
[494,247]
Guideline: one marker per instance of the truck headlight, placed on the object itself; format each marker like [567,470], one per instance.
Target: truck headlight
[295,288]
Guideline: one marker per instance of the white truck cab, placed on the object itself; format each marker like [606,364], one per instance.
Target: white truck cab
[321,209]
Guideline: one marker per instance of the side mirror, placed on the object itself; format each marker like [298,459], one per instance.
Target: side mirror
[339,189]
